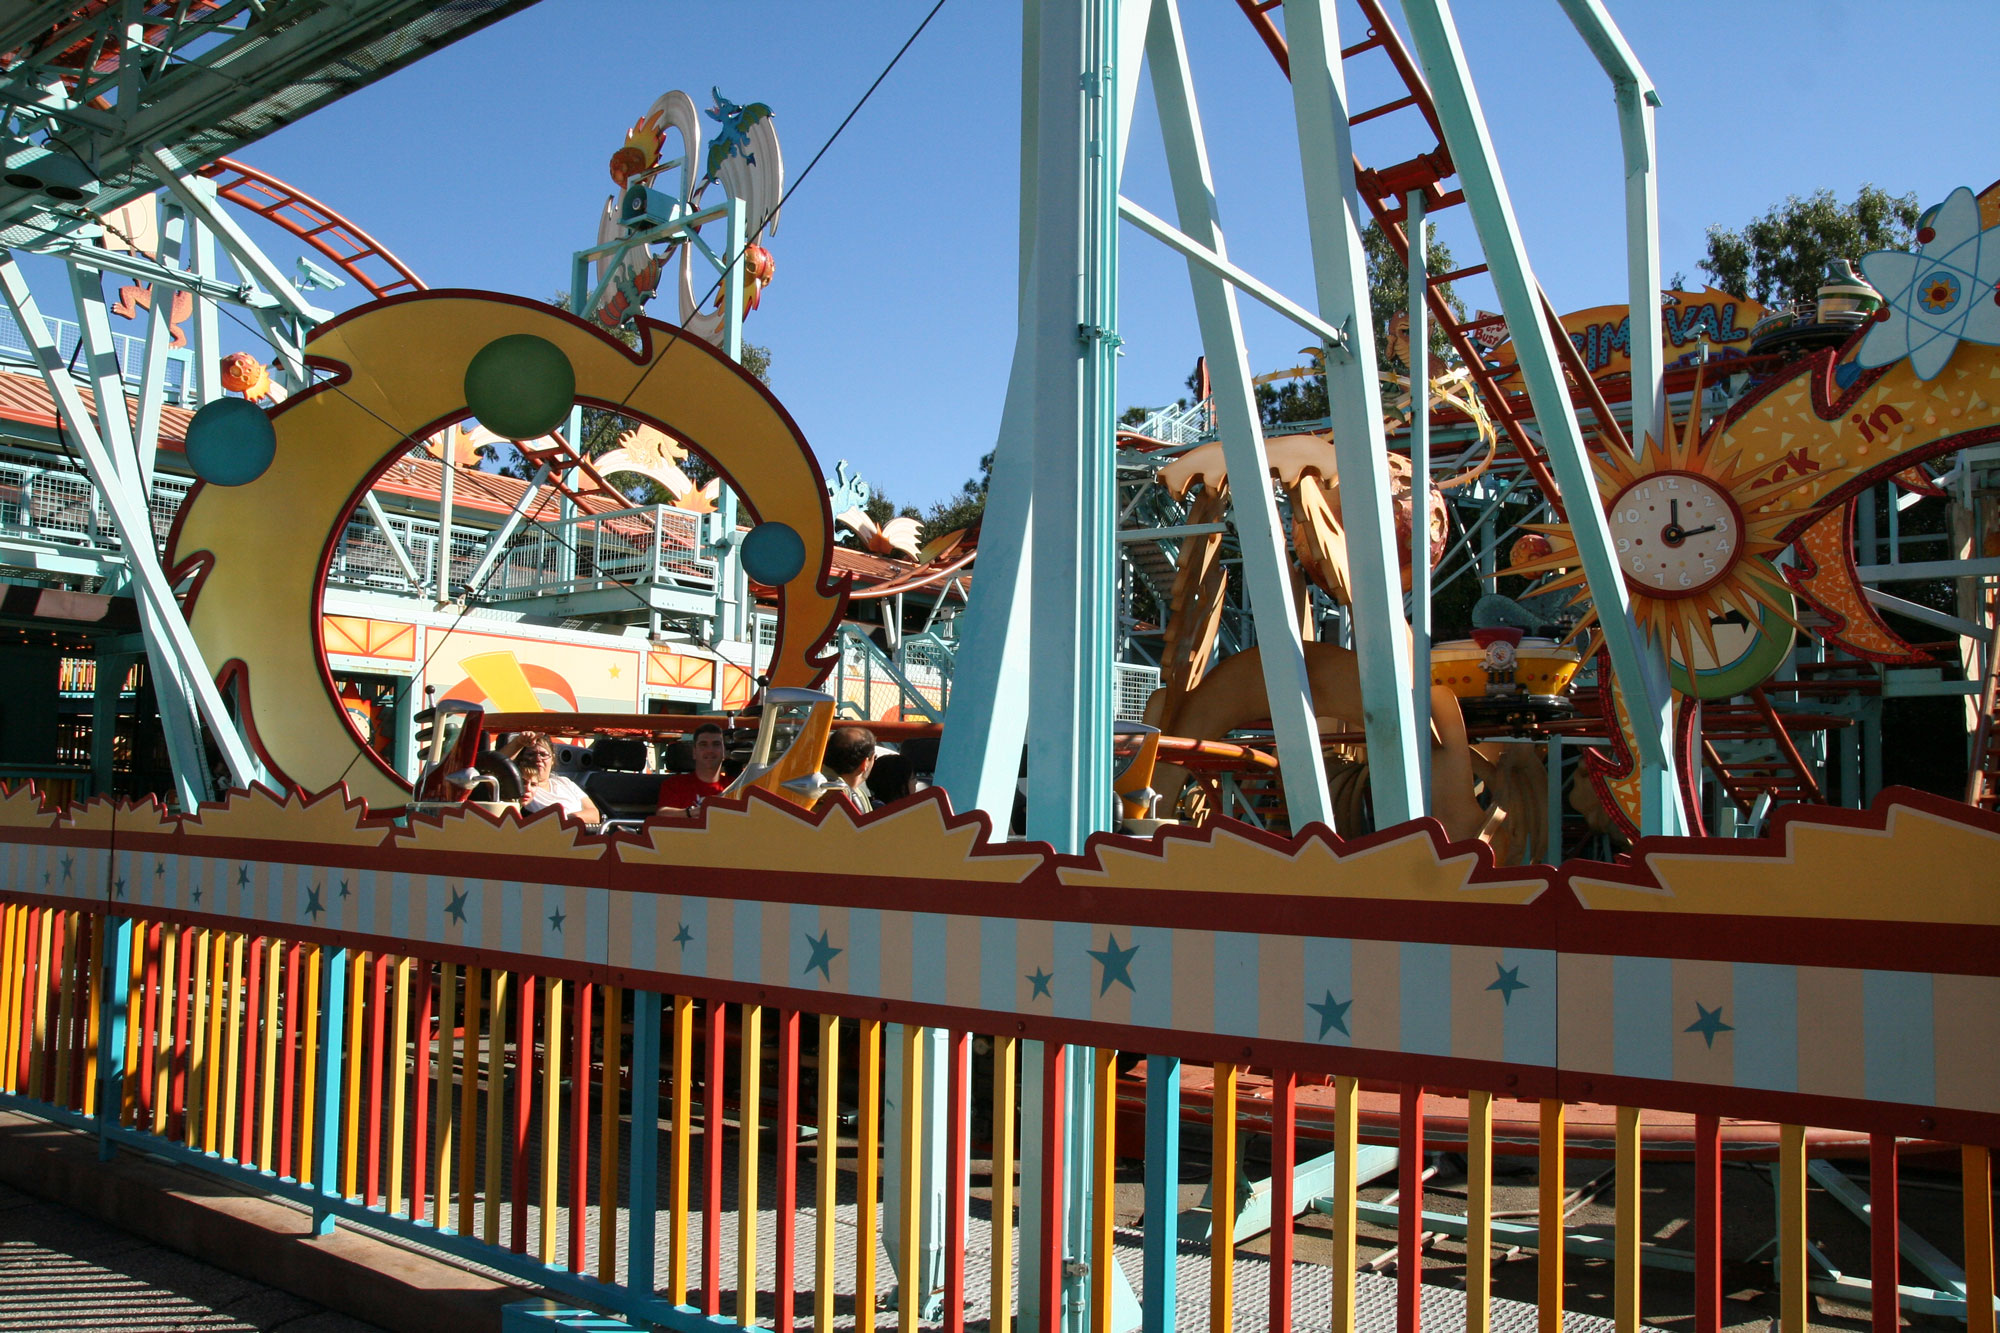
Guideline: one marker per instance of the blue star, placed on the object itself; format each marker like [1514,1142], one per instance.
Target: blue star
[823,954]
[119,885]
[556,918]
[1708,1024]
[455,909]
[313,904]
[195,895]
[345,892]
[1117,964]
[1508,982]
[159,869]
[243,877]
[683,936]
[68,861]
[1332,1014]
[1040,981]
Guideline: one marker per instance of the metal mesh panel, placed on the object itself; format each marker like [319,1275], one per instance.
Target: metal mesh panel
[54,499]
[1131,686]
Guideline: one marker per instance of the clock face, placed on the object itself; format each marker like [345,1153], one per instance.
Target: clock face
[1675,534]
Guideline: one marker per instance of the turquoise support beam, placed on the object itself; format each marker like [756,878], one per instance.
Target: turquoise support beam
[1163,1189]
[642,1193]
[1638,664]
[1354,396]
[1266,566]
[1420,476]
[117,964]
[979,754]
[1636,99]
[1074,298]
[326,1118]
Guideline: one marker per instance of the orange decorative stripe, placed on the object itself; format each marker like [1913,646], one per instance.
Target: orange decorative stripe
[362,637]
[679,671]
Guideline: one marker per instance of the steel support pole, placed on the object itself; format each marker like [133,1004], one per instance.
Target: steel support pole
[1354,394]
[174,642]
[1420,489]
[979,754]
[1266,565]
[730,575]
[1636,98]
[1639,665]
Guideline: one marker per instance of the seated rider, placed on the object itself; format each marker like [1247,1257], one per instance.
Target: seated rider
[850,756]
[541,785]
[683,793]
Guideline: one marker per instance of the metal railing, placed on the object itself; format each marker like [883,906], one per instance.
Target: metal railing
[643,545]
[418,1042]
[130,348]
[53,499]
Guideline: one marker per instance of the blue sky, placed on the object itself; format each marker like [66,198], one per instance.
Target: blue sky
[891,319]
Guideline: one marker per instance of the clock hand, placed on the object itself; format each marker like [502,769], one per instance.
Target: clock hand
[1674,513]
[1696,532]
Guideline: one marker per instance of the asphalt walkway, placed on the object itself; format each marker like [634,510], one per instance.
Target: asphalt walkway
[61,1271]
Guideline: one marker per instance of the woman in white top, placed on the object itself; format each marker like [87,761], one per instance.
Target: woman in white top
[543,787]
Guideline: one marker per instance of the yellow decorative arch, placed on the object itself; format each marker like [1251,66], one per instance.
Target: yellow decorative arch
[262,549]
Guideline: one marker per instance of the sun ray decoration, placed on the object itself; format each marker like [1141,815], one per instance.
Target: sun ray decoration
[1744,579]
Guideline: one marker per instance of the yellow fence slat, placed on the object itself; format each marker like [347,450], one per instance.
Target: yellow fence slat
[1478,1213]
[398,1069]
[1977,1167]
[1006,1091]
[909,1291]
[496,1104]
[868,1147]
[828,1147]
[1222,1205]
[551,1114]
[678,1151]
[1630,1232]
[1549,1224]
[1104,1186]
[1794,1304]
[233,1068]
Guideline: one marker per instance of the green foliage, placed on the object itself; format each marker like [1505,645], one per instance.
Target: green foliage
[965,509]
[1782,256]
[1299,400]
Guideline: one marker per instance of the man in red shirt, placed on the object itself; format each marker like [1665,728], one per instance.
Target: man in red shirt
[681,793]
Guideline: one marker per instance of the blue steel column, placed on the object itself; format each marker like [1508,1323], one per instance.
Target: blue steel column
[1163,1190]
[1636,100]
[113,996]
[1633,659]
[1074,291]
[1266,571]
[979,754]
[730,575]
[326,1116]
[1354,397]
[642,1193]
[1420,484]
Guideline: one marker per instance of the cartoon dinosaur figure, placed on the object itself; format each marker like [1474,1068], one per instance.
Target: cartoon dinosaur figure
[732,134]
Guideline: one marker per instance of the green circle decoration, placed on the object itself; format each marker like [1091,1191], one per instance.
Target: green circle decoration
[773,553]
[520,386]
[1749,657]
[230,442]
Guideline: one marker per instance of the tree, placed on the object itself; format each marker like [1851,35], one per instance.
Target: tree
[1305,399]
[965,509]
[1782,257]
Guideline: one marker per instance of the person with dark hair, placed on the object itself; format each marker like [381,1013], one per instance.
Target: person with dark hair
[683,793]
[543,786]
[891,779]
[850,757]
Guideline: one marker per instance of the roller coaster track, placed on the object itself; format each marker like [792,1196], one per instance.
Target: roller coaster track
[358,254]
[1385,190]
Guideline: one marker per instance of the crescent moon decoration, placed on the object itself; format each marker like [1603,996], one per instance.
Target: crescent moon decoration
[260,552]
[1827,579]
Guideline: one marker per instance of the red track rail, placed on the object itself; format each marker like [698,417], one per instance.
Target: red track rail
[1385,191]
[358,254]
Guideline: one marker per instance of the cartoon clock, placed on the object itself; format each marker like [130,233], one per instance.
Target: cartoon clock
[1676,534]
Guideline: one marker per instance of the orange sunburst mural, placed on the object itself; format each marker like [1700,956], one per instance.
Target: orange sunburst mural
[1694,532]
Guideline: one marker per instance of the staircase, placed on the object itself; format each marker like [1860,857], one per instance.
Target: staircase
[1747,743]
